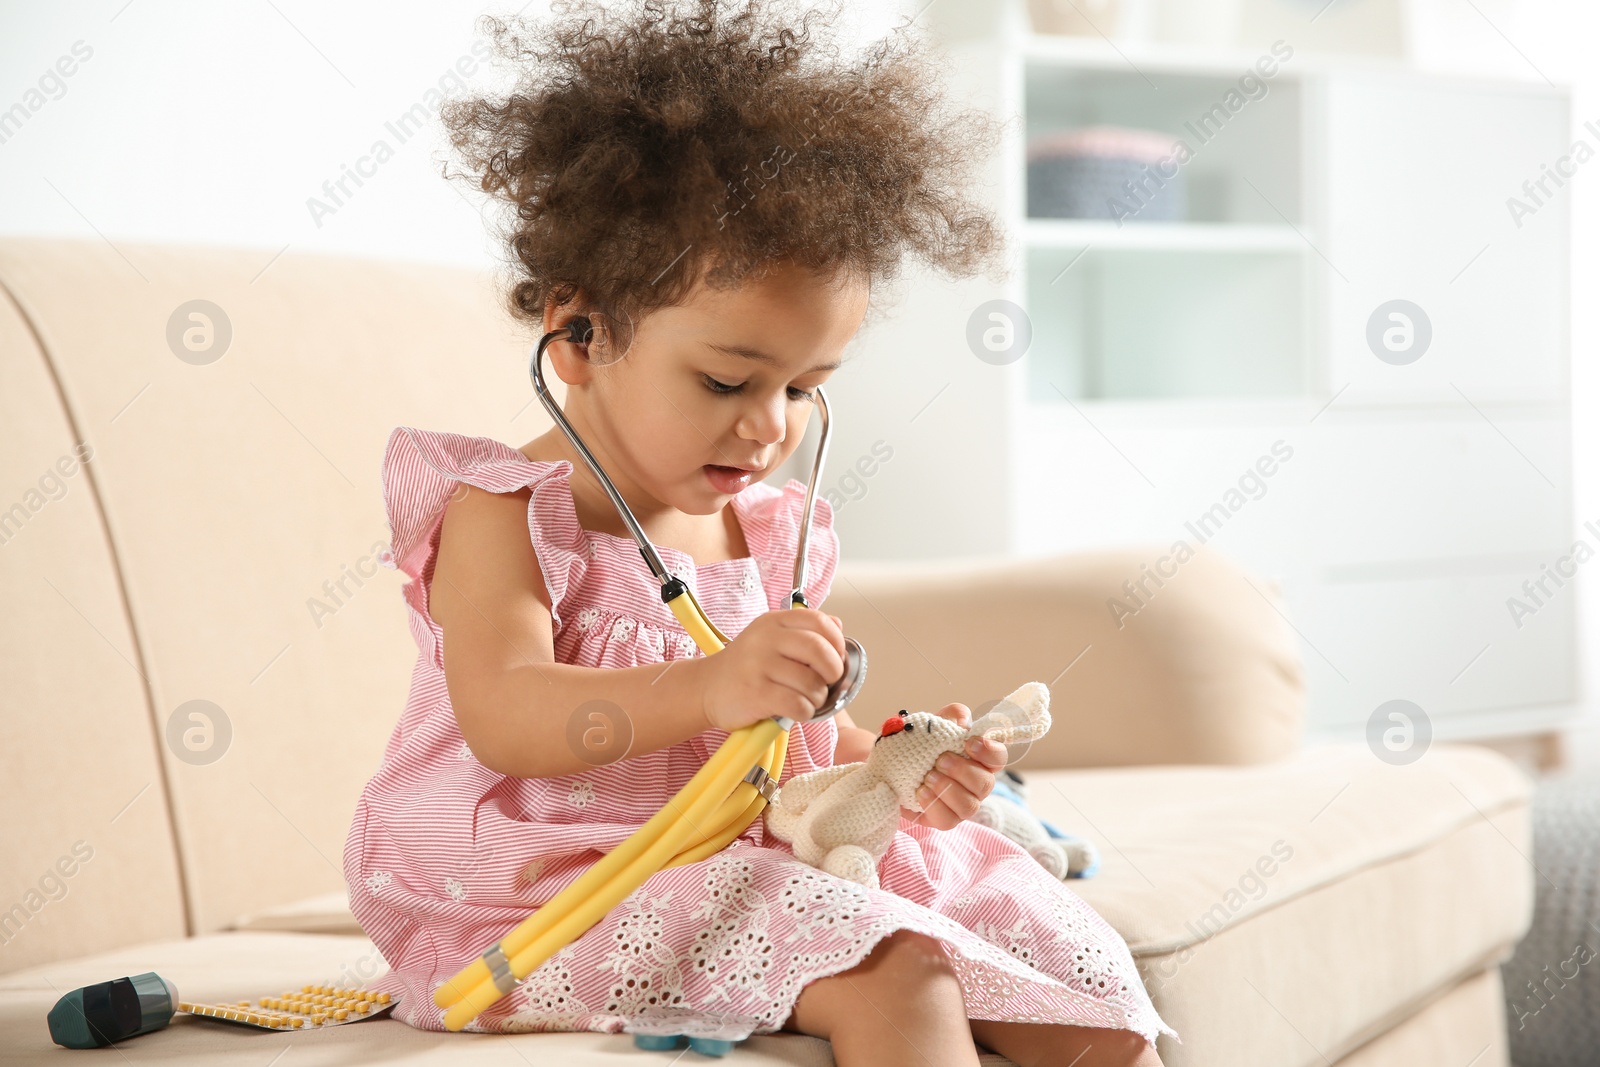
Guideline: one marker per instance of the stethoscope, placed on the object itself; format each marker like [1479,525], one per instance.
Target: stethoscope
[714,807]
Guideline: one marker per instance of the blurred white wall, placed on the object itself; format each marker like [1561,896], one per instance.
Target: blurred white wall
[216,123]
[187,121]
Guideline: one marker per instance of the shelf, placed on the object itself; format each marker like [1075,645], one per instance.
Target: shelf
[1153,59]
[1162,236]
[1144,59]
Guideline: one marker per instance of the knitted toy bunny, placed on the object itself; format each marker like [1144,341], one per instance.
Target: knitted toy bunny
[843,818]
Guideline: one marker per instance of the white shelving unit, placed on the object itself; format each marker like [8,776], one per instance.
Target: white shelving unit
[1168,358]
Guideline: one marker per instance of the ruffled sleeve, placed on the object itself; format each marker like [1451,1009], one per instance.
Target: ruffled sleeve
[559,541]
[772,532]
[423,470]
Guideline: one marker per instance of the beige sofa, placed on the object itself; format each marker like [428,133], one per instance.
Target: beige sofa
[1287,905]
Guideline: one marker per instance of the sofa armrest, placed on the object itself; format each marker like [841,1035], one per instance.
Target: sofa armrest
[1201,668]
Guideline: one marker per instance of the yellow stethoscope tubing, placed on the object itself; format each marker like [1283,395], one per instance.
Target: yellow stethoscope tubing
[685,830]
[589,908]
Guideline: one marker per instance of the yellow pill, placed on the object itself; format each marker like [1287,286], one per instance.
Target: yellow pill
[363,1008]
[306,988]
[341,1015]
[318,1019]
[383,998]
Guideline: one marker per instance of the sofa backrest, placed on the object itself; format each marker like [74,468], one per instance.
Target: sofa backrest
[1206,671]
[86,851]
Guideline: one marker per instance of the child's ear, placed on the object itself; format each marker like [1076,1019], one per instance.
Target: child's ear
[1022,716]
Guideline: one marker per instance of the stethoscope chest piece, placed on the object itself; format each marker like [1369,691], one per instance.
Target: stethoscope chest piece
[845,689]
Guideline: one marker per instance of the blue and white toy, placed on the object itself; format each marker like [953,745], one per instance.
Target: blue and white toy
[706,1046]
[1005,810]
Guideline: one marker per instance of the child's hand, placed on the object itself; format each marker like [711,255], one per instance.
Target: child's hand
[952,791]
[783,663]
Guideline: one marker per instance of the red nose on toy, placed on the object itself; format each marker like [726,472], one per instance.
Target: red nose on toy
[893,725]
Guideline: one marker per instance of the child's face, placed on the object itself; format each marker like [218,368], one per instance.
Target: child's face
[683,398]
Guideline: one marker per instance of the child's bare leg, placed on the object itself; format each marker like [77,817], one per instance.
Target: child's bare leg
[1052,1045]
[902,1005]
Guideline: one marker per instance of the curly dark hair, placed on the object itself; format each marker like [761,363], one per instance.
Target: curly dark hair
[648,147]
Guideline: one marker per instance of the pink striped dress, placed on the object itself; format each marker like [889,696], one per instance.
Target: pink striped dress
[445,856]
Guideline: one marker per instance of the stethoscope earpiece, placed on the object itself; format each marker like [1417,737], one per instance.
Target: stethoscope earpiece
[580,330]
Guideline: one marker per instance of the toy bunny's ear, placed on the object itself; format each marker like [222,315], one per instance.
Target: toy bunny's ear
[1022,716]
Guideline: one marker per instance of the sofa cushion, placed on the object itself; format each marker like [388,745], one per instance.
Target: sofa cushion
[326,913]
[1288,913]
[1281,913]
[237,966]
[1464,1025]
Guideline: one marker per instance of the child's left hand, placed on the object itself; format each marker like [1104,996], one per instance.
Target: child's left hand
[958,782]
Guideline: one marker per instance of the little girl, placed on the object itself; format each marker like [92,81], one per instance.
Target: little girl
[717,194]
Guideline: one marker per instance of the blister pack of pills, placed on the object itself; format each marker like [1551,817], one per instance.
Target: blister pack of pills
[313,1007]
